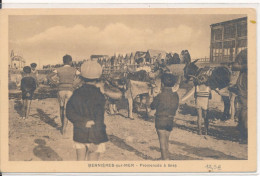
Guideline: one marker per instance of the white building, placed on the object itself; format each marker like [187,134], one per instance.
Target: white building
[16,61]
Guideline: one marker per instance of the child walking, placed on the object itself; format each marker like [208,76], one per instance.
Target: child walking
[85,109]
[202,94]
[166,104]
[28,86]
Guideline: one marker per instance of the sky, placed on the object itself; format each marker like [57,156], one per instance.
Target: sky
[46,39]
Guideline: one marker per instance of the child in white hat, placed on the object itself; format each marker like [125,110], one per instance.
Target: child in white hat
[85,109]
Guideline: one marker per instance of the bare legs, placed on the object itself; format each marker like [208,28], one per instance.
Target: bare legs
[63,97]
[26,108]
[163,136]
[202,114]
[84,154]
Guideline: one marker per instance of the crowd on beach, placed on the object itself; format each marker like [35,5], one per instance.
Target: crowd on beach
[82,99]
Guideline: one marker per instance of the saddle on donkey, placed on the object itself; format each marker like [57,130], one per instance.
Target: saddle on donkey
[217,77]
[141,75]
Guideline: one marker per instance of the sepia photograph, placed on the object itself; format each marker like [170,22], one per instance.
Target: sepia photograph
[130,89]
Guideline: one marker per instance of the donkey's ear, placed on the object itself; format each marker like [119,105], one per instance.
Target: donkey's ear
[195,61]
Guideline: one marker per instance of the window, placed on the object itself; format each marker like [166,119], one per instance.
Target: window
[217,34]
[217,52]
[241,29]
[242,43]
[229,31]
[229,44]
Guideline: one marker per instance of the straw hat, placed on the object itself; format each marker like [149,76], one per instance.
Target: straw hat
[91,69]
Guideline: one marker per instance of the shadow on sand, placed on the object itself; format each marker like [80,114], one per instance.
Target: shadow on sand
[123,145]
[44,152]
[46,119]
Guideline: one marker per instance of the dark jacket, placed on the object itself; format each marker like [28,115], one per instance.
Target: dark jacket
[166,104]
[87,103]
[28,86]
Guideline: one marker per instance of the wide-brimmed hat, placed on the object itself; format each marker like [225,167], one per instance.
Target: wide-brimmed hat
[91,69]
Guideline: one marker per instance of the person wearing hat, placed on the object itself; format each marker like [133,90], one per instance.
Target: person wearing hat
[28,86]
[166,104]
[66,76]
[85,110]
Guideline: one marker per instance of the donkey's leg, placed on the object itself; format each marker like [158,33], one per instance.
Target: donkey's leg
[62,118]
[130,108]
[232,106]
[226,107]
[147,104]
[199,120]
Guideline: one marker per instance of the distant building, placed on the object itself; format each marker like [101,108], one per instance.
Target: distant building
[155,55]
[139,54]
[228,38]
[16,61]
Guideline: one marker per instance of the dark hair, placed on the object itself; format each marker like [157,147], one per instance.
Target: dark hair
[168,80]
[27,69]
[33,65]
[67,59]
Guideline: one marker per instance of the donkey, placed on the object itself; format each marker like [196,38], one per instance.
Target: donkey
[218,78]
[132,85]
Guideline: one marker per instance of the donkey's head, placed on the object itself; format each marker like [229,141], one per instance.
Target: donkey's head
[191,70]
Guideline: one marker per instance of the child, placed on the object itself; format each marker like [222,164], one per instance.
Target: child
[67,75]
[202,94]
[85,109]
[28,86]
[166,104]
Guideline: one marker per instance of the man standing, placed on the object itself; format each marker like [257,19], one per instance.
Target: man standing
[66,76]
[241,66]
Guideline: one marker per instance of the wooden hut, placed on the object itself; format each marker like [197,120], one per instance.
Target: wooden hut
[228,38]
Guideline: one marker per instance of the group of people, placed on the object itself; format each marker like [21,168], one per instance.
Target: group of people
[82,101]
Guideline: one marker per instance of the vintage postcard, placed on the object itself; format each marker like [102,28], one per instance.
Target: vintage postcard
[128,90]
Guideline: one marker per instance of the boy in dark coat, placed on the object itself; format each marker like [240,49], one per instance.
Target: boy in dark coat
[28,86]
[85,109]
[166,104]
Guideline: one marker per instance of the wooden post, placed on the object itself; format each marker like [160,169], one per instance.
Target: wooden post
[211,46]
[236,43]
[222,56]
